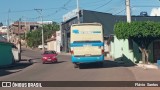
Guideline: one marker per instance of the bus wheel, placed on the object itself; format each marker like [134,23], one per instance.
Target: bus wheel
[76,65]
[100,64]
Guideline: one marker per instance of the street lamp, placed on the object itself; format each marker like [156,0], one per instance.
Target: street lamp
[40,12]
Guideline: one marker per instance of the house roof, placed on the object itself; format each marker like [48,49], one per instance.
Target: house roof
[51,39]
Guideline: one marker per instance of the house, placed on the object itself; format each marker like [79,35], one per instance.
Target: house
[54,43]
[22,27]
[3,29]
[51,44]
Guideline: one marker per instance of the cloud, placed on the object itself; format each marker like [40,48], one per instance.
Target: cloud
[155,12]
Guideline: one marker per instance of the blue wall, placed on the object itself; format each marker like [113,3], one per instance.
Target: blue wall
[6,56]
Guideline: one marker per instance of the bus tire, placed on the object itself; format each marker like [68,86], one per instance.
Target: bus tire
[76,65]
[100,64]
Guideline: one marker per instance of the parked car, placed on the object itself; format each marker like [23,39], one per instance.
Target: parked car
[40,46]
[49,56]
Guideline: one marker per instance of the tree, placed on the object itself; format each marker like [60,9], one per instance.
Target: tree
[49,29]
[142,33]
[34,38]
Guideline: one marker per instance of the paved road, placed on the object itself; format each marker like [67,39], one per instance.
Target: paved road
[64,71]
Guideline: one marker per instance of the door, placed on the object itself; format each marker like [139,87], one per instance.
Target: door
[156,48]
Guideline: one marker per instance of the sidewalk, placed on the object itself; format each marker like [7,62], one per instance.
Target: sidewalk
[147,74]
[148,66]
[63,53]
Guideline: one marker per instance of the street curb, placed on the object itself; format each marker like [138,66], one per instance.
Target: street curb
[147,66]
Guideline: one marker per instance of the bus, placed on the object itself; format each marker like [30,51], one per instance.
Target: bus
[86,44]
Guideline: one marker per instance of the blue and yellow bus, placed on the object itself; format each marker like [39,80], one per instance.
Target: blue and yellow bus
[86,43]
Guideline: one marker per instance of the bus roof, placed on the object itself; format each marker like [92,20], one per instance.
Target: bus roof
[98,24]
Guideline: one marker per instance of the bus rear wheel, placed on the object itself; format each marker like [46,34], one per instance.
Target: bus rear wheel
[100,64]
[76,65]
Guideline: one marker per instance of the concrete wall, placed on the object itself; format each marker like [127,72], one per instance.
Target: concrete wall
[58,41]
[120,51]
[51,45]
[6,56]
[15,54]
[138,55]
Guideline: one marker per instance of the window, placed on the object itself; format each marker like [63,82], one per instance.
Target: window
[130,44]
[87,41]
[49,52]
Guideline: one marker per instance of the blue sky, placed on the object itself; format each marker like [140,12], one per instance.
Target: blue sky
[55,9]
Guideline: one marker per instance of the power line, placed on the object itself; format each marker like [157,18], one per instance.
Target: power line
[119,3]
[93,3]
[118,7]
[133,7]
[58,10]
[145,6]
[66,5]
[103,5]
[29,10]
[120,11]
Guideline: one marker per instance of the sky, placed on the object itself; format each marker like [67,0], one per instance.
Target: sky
[53,10]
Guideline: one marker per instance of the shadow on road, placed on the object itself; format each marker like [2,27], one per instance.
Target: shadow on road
[32,60]
[56,62]
[35,58]
[17,67]
[106,64]
[61,62]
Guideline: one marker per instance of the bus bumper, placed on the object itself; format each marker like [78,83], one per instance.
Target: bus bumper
[88,59]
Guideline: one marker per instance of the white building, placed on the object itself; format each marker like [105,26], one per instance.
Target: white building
[58,41]
[54,43]
[3,29]
[45,22]
[155,12]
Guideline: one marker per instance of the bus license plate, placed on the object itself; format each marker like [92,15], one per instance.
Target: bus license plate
[87,55]
[49,59]
[87,45]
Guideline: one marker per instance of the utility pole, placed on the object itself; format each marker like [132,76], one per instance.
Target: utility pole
[19,39]
[25,29]
[40,12]
[25,32]
[128,11]
[8,29]
[61,33]
[78,17]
